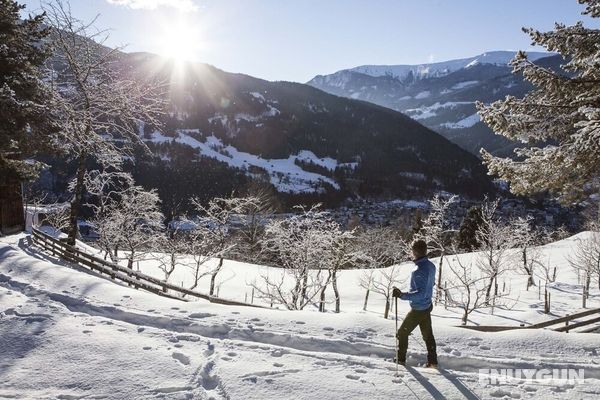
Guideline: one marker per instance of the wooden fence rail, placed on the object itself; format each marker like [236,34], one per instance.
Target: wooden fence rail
[115,271]
[562,320]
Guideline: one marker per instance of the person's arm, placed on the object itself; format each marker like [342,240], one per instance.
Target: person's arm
[418,291]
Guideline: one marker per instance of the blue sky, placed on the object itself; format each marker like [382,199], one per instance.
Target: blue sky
[297,39]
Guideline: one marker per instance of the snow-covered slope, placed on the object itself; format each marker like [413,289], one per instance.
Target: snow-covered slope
[441,95]
[421,71]
[66,333]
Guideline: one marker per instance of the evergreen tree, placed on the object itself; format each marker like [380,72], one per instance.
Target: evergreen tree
[558,121]
[467,232]
[24,97]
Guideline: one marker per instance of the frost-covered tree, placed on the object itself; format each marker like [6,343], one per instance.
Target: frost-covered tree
[215,232]
[525,237]
[343,252]
[383,247]
[585,258]
[98,105]
[131,221]
[436,231]
[173,247]
[383,283]
[259,206]
[558,121]
[495,239]
[467,289]
[298,244]
[25,101]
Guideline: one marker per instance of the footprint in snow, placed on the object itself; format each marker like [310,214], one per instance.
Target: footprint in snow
[353,377]
[151,310]
[360,371]
[182,358]
[232,354]
[252,379]
[484,347]
[87,331]
[456,353]
[122,330]
[278,365]
[210,350]
[300,322]
[141,329]
[147,348]
[235,312]
[225,358]
[278,353]
[178,345]
[174,308]
[329,334]
[201,315]
[327,328]
[255,319]
[321,363]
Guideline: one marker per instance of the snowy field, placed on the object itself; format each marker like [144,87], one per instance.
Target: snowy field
[66,333]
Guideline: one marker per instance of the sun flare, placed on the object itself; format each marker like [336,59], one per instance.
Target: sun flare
[181,42]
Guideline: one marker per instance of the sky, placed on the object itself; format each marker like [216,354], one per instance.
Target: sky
[295,40]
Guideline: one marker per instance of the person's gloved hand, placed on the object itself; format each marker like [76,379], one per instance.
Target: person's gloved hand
[396,292]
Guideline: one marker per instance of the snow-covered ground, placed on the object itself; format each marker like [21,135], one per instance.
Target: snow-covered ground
[66,333]
[284,174]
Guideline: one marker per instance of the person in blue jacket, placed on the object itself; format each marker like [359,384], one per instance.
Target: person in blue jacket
[422,281]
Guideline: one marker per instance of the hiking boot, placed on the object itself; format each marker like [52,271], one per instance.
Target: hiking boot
[403,363]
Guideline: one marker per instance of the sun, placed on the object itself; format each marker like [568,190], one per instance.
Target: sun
[181,41]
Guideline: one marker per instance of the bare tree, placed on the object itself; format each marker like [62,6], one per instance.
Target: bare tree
[383,247]
[343,252]
[467,289]
[526,238]
[495,239]
[585,259]
[436,231]
[383,283]
[299,245]
[98,106]
[215,228]
[259,206]
[132,221]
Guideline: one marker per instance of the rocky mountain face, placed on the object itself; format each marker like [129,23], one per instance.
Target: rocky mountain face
[442,95]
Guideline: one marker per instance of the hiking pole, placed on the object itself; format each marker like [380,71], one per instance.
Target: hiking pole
[396,333]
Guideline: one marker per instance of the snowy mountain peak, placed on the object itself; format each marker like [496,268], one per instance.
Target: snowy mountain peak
[442,68]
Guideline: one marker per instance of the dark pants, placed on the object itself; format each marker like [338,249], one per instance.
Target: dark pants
[414,318]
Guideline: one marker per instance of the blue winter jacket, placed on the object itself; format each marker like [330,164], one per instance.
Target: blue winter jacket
[422,281]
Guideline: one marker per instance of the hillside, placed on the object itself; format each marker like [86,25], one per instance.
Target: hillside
[300,139]
[78,325]
[442,95]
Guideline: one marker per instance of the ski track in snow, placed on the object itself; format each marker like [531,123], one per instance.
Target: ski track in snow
[241,356]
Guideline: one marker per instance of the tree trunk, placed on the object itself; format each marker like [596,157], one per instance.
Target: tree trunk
[465,317]
[439,282]
[366,300]
[322,300]
[76,202]
[335,291]
[386,312]
[213,277]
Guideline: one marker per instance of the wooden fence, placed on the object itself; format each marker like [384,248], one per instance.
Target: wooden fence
[133,278]
[566,321]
